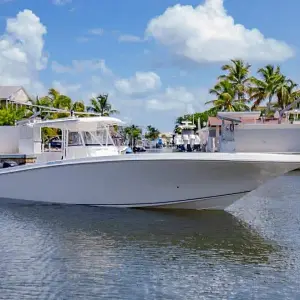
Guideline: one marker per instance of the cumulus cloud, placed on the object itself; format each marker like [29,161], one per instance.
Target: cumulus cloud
[65,88]
[141,82]
[178,98]
[207,33]
[80,66]
[22,50]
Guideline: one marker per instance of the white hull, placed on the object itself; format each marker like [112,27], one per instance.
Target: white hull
[171,180]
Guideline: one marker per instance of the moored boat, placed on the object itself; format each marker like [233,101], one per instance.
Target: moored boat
[90,170]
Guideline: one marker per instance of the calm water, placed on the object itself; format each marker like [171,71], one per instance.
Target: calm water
[60,252]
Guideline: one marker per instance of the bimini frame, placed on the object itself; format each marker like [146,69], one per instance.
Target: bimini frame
[85,128]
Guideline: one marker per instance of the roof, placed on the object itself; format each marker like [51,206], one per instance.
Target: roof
[214,121]
[78,124]
[248,117]
[242,115]
[6,91]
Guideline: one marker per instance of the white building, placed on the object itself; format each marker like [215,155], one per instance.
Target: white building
[13,93]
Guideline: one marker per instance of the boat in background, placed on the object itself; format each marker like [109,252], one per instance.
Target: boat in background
[90,170]
[187,140]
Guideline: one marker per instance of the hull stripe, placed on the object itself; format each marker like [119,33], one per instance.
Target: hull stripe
[127,204]
[172,201]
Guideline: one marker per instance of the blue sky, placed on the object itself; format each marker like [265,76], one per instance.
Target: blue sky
[156,59]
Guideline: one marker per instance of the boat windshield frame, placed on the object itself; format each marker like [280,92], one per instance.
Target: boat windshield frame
[80,128]
[95,139]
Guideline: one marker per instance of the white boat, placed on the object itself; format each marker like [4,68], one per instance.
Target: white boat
[95,173]
[186,140]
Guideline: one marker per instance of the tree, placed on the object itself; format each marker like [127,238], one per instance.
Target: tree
[53,94]
[212,112]
[133,133]
[78,106]
[10,114]
[63,102]
[35,108]
[101,106]
[152,133]
[266,87]
[53,100]
[225,93]
[287,92]
[238,76]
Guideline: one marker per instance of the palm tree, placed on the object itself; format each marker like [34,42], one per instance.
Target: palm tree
[266,87]
[177,129]
[37,102]
[53,94]
[78,106]
[152,133]
[101,106]
[287,93]
[238,76]
[225,93]
[133,133]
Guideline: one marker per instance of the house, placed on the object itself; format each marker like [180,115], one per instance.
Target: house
[254,133]
[215,124]
[167,137]
[13,94]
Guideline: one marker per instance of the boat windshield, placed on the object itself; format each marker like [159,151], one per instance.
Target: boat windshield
[74,139]
[104,136]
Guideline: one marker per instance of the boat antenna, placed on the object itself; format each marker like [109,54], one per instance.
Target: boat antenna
[53,109]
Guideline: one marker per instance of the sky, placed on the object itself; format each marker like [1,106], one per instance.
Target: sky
[157,59]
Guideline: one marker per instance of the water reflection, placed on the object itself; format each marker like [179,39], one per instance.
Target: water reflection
[217,232]
[77,252]
[68,252]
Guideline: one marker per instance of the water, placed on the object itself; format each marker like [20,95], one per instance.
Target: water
[65,252]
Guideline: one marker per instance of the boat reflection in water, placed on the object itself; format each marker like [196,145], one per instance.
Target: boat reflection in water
[78,232]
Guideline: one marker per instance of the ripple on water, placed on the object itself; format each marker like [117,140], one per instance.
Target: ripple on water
[65,252]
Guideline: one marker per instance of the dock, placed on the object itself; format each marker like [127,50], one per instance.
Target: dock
[20,159]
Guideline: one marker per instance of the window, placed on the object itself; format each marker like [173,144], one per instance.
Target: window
[74,139]
[89,139]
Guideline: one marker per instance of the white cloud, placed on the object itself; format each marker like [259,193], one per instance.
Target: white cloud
[61,2]
[178,98]
[207,33]
[141,82]
[22,51]
[64,88]
[130,38]
[96,31]
[79,66]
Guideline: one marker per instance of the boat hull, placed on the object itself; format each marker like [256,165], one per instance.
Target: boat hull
[190,181]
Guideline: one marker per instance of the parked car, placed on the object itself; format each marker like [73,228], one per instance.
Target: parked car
[139,149]
[55,142]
